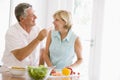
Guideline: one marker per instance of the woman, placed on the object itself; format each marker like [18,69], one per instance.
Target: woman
[62,45]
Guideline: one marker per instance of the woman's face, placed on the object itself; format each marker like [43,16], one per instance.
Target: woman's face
[59,24]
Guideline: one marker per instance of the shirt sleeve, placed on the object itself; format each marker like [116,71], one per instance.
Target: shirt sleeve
[14,41]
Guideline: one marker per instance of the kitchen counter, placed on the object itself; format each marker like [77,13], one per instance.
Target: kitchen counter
[6,75]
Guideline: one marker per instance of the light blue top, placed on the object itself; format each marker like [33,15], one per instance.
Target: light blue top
[62,52]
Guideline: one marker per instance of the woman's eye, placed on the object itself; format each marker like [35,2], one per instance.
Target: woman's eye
[57,20]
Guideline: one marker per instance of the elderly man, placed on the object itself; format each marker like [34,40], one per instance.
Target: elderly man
[23,38]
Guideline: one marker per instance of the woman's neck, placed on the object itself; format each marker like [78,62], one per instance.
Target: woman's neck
[63,34]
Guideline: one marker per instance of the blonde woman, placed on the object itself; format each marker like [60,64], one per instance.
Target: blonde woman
[62,45]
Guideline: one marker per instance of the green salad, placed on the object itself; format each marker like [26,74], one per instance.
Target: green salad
[37,73]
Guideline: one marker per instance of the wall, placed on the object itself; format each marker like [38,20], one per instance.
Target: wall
[54,5]
[4,23]
[97,28]
[110,52]
[39,6]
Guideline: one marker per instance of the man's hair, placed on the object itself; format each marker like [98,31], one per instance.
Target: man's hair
[20,10]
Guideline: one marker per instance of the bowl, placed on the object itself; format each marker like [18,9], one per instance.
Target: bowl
[39,72]
[17,71]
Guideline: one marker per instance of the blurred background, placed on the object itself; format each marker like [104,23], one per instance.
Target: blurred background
[96,22]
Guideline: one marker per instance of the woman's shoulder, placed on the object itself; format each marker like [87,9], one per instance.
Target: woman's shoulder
[73,34]
[54,32]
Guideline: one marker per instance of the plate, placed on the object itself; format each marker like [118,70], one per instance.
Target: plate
[49,71]
[17,71]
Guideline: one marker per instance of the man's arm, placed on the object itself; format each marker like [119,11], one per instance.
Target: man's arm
[22,53]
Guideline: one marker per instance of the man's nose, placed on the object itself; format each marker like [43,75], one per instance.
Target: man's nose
[35,16]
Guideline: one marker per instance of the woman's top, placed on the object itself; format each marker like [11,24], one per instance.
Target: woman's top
[62,52]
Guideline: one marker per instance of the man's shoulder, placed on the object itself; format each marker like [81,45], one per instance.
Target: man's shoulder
[12,28]
[36,29]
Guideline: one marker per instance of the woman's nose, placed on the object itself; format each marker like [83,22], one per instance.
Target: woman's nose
[53,22]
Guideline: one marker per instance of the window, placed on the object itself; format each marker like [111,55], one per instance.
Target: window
[82,14]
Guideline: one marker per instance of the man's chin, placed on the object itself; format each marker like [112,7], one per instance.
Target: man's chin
[33,25]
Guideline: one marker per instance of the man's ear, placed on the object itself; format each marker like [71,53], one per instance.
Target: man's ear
[21,18]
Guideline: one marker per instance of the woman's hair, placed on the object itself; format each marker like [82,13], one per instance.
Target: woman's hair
[65,16]
[20,10]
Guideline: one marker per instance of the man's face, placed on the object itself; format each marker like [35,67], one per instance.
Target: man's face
[29,20]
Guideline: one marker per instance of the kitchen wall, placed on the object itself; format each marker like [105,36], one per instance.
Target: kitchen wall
[39,6]
[110,49]
[4,23]
[55,5]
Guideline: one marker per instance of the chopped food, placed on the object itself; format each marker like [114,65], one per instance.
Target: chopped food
[56,74]
[70,70]
[66,71]
[18,67]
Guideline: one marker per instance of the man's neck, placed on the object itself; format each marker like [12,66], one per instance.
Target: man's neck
[26,28]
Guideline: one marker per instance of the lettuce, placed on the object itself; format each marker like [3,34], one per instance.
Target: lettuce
[37,73]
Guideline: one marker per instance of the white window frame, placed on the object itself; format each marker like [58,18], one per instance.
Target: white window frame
[97,25]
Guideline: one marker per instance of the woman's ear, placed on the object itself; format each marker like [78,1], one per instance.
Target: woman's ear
[66,23]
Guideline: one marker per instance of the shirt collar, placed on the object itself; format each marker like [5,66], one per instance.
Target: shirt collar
[57,34]
[68,35]
[21,29]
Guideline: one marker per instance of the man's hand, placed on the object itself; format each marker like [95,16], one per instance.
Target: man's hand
[42,34]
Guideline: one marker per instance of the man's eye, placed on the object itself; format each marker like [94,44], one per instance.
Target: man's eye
[57,19]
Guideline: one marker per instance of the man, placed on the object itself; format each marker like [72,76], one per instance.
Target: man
[23,38]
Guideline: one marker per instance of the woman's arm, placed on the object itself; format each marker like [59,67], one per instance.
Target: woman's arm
[46,54]
[41,61]
[78,50]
